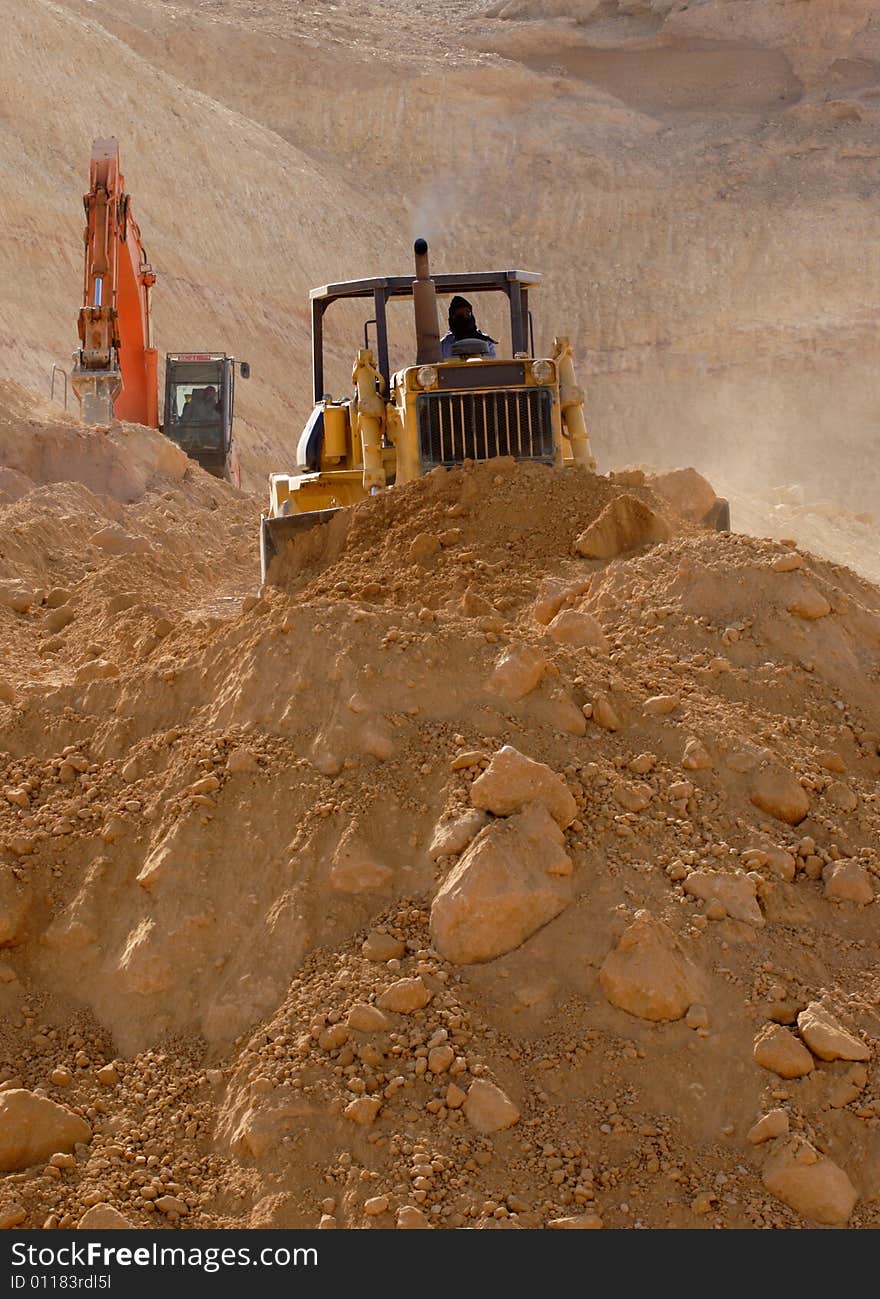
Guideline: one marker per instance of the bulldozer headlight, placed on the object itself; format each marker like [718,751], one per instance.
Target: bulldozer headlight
[427,376]
[543,371]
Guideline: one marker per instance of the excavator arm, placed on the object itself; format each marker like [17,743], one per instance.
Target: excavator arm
[116,369]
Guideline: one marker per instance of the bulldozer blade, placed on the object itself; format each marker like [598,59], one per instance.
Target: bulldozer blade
[276,532]
[718,517]
[96,390]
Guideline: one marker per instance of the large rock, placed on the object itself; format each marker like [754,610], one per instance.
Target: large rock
[787,563]
[648,974]
[688,492]
[103,1217]
[32,1128]
[768,1127]
[514,878]
[512,781]
[827,1038]
[625,523]
[848,881]
[97,670]
[16,596]
[582,630]
[696,756]
[381,946]
[363,1110]
[780,794]
[736,893]
[778,1050]
[367,1018]
[404,997]
[57,619]
[488,1109]
[409,1218]
[634,797]
[518,671]
[241,760]
[808,1182]
[254,1126]
[842,796]
[423,548]
[452,834]
[661,705]
[604,713]
[781,863]
[552,595]
[808,603]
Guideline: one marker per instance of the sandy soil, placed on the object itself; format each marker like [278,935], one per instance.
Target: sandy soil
[514,862]
[684,820]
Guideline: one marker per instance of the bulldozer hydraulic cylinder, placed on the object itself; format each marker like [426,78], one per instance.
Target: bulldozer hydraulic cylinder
[371,417]
[572,403]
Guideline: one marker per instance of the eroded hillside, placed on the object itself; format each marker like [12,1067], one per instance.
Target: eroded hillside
[696,182]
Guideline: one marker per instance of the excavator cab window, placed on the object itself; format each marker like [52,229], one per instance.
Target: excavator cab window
[197,405]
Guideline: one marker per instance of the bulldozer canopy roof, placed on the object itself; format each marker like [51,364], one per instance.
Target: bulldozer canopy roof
[400,286]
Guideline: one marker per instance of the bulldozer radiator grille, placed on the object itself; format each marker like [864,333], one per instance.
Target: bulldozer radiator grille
[457,426]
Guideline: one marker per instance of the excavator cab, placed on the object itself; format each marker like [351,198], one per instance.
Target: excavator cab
[199,400]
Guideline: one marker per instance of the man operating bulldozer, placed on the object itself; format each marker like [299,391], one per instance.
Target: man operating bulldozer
[462,325]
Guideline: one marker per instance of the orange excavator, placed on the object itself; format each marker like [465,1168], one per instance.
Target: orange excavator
[115,374]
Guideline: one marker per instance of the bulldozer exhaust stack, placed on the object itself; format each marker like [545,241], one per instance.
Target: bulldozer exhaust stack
[425,307]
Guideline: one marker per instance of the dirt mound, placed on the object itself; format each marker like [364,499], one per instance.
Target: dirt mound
[39,445]
[657,770]
[477,538]
[289,935]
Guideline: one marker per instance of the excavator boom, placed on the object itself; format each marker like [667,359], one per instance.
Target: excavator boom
[116,370]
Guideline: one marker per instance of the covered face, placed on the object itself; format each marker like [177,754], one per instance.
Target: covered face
[461,318]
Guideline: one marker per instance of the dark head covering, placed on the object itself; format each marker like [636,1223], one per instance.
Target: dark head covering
[456,305]
[466,328]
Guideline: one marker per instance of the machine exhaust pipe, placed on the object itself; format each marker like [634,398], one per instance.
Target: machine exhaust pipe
[425,307]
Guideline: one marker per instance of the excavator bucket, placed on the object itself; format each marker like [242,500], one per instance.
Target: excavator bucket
[96,390]
[277,532]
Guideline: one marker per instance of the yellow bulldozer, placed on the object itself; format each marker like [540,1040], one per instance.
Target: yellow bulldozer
[459,401]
